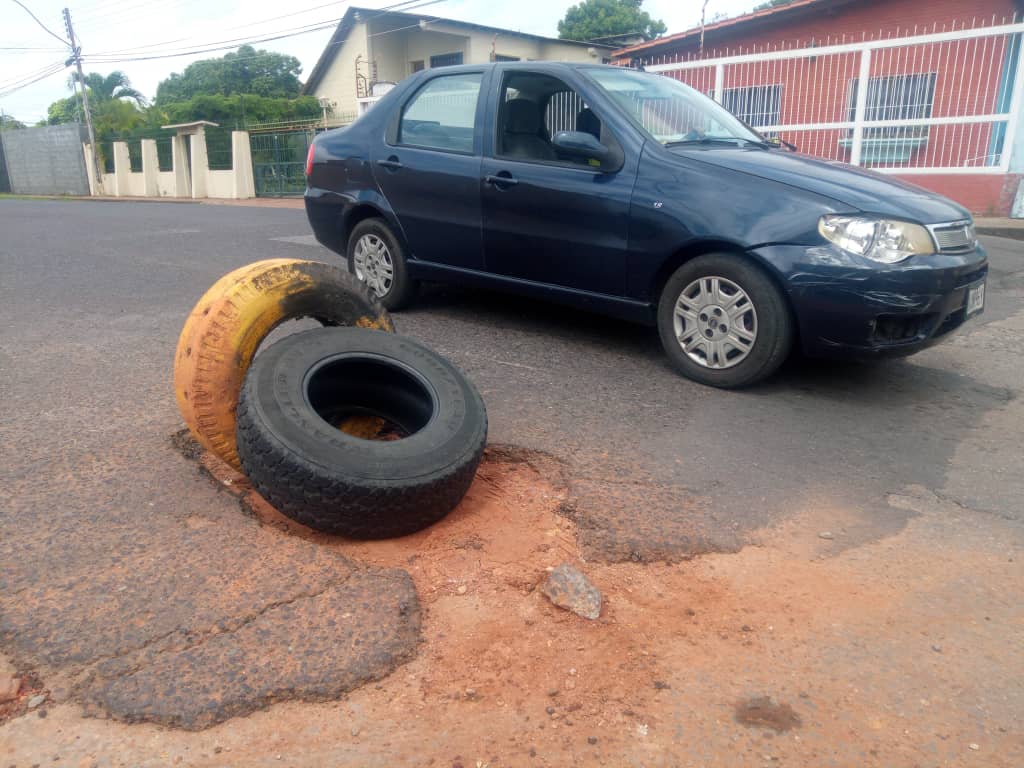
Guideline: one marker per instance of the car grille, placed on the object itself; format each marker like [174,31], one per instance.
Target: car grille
[957,237]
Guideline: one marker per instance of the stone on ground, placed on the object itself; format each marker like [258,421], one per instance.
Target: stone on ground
[568,588]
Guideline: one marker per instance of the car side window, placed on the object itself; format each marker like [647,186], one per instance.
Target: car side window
[533,108]
[442,114]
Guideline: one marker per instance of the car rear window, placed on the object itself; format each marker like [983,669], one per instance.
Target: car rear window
[442,114]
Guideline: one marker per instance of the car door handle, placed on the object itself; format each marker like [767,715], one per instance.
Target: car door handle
[503,179]
[392,163]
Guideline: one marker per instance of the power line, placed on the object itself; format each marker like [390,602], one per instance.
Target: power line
[220,45]
[8,90]
[28,75]
[130,15]
[47,29]
[239,26]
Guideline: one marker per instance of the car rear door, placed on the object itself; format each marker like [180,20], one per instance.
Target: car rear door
[548,219]
[428,168]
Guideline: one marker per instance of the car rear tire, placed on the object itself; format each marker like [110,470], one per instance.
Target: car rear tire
[298,451]
[376,257]
[723,322]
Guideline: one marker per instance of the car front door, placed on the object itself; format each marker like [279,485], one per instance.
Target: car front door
[428,168]
[549,218]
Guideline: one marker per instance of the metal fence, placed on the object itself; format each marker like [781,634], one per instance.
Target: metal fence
[164,152]
[279,162]
[934,101]
[218,149]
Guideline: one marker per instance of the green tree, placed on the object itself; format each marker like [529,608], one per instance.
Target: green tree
[114,86]
[238,110]
[112,100]
[247,70]
[67,110]
[8,123]
[593,19]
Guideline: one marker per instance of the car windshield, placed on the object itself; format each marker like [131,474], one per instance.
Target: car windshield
[668,110]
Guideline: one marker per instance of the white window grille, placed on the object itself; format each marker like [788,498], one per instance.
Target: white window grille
[756,105]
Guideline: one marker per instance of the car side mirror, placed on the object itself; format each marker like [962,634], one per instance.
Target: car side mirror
[582,145]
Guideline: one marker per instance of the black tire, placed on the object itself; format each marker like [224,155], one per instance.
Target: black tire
[774,323]
[302,387]
[402,290]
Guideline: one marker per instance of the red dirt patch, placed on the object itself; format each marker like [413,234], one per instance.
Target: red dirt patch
[503,678]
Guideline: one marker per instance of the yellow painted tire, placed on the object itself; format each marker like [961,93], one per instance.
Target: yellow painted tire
[226,327]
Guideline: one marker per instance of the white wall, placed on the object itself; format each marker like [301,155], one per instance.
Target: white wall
[339,81]
[220,184]
[165,184]
[151,182]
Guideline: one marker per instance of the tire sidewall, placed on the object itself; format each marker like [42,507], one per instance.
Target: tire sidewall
[397,293]
[774,324]
[276,391]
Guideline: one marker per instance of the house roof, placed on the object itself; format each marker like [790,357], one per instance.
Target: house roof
[736,25]
[354,15]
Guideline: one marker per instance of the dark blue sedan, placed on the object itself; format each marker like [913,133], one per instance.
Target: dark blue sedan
[634,195]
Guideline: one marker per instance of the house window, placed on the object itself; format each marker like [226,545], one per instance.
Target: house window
[758,105]
[896,97]
[446,60]
[417,66]
[503,57]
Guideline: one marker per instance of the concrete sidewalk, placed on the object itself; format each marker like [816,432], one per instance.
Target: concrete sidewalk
[1012,228]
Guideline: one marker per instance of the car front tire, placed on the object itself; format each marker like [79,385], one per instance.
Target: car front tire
[723,322]
[376,257]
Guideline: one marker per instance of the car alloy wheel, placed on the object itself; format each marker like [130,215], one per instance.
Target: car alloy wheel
[715,322]
[373,263]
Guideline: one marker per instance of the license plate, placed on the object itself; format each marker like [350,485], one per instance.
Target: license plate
[975,299]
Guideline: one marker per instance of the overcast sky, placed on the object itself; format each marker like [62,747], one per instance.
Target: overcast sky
[141,25]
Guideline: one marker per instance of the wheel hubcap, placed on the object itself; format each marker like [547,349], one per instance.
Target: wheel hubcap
[715,322]
[373,264]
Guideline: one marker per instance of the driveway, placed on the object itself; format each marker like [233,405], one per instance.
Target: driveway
[857,527]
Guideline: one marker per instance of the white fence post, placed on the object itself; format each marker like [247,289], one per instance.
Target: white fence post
[1012,125]
[150,168]
[861,107]
[719,82]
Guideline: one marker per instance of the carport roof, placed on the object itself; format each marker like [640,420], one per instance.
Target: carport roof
[192,127]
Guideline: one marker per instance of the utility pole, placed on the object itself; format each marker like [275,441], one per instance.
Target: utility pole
[76,56]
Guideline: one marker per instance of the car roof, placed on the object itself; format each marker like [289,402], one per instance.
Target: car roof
[533,65]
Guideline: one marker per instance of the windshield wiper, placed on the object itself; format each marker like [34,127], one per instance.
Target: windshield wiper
[734,140]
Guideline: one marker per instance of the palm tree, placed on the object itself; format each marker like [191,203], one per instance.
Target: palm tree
[116,85]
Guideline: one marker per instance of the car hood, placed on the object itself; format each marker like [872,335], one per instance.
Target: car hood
[865,190]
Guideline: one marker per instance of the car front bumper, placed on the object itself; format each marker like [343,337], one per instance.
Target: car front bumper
[848,306]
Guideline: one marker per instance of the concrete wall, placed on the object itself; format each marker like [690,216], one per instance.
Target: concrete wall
[197,181]
[46,161]
[165,184]
[220,184]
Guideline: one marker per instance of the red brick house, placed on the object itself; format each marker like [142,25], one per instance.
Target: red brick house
[943,91]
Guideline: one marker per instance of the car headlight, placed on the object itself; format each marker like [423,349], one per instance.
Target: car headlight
[883,240]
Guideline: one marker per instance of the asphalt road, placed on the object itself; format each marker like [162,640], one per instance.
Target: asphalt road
[92,298]
[597,393]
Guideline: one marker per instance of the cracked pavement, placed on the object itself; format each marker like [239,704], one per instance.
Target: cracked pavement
[138,590]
